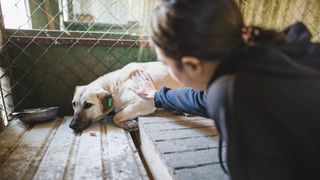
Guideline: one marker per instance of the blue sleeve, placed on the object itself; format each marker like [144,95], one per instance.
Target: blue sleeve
[184,100]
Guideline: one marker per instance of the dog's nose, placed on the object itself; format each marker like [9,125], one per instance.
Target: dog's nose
[73,125]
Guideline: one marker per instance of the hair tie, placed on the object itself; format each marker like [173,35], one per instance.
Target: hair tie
[249,35]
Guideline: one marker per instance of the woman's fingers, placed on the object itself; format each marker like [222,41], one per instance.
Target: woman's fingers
[132,74]
[136,76]
[140,76]
[142,84]
[145,76]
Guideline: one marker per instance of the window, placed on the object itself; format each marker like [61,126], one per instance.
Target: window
[16,14]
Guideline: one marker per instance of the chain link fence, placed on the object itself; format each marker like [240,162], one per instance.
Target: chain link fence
[50,46]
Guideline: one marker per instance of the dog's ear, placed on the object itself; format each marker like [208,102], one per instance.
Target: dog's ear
[106,101]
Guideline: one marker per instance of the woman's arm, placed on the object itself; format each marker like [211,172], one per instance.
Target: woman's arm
[184,100]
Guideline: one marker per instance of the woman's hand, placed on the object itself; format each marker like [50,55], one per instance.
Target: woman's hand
[142,84]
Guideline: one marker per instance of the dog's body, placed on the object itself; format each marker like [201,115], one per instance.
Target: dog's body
[88,100]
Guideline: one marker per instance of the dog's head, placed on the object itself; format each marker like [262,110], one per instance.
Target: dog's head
[89,105]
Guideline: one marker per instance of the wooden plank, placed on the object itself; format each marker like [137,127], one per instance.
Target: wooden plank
[142,170]
[88,163]
[30,171]
[192,158]
[23,161]
[190,144]
[52,151]
[10,137]
[210,172]
[56,159]
[178,147]
[159,168]
[165,116]
[175,125]
[183,133]
[72,160]
[109,155]
[119,155]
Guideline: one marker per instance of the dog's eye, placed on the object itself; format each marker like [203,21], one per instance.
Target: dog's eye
[73,104]
[87,105]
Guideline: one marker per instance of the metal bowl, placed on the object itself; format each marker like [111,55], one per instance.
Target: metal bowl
[37,115]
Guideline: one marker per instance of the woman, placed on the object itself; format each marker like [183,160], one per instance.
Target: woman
[262,86]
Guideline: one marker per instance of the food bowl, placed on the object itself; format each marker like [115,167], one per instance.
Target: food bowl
[37,115]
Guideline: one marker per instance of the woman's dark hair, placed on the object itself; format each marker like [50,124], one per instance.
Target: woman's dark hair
[206,29]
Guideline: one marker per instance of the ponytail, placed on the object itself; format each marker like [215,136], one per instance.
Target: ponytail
[256,36]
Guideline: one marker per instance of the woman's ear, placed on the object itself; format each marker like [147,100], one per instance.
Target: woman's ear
[192,65]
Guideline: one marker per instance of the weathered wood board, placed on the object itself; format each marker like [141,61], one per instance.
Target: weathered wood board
[180,147]
[52,151]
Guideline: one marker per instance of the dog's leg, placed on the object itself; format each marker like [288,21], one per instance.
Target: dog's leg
[125,118]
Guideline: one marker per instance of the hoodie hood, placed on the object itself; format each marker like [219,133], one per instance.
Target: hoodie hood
[296,58]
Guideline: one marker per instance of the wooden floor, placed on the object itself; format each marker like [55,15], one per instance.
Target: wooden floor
[52,151]
[174,147]
[179,147]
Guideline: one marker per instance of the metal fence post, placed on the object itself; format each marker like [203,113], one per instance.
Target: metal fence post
[4,75]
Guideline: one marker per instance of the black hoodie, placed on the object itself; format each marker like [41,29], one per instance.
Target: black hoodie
[266,103]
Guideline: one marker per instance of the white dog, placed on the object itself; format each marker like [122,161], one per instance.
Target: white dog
[111,92]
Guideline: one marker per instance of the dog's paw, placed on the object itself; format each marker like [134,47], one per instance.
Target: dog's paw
[131,125]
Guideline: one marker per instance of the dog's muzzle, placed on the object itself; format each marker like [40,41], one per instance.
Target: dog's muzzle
[78,125]
[73,124]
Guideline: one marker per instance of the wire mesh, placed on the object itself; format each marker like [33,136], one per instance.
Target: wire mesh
[55,45]
[50,46]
